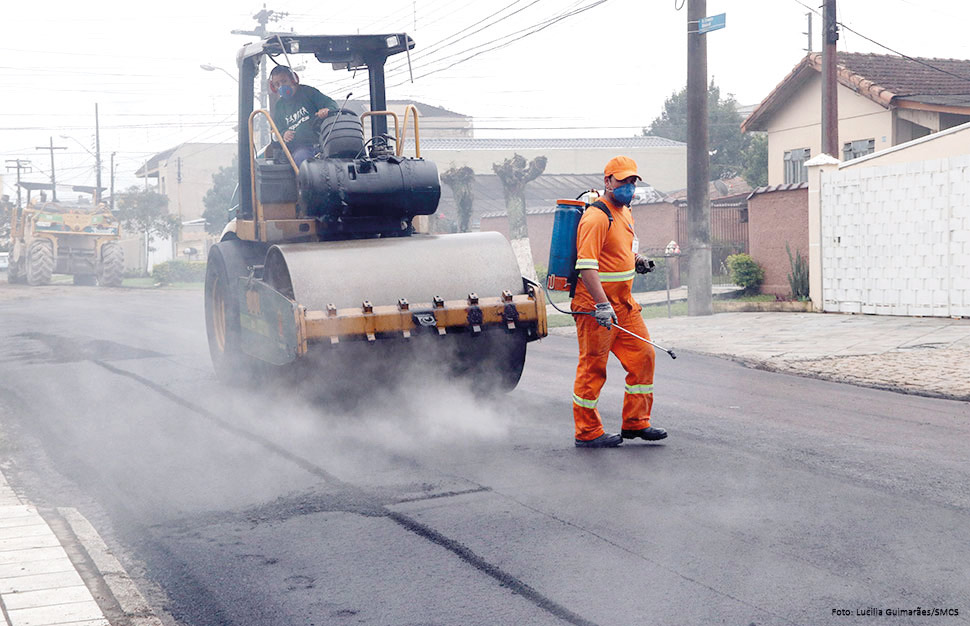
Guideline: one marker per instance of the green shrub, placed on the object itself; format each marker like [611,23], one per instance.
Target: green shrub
[745,272]
[798,278]
[179,272]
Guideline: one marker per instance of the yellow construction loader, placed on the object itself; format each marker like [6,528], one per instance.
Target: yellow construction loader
[63,238]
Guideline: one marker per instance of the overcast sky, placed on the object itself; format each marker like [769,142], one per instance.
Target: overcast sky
[603,71]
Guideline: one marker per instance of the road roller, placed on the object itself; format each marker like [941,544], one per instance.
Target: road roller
[327,264]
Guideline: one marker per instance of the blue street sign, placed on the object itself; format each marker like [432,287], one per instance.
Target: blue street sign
[713,22]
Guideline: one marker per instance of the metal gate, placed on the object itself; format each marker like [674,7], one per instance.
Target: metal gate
[729,235]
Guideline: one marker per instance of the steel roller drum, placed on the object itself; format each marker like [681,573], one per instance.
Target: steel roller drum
[417,268]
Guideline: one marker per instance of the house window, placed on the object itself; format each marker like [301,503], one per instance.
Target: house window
[795,170]
[856,149]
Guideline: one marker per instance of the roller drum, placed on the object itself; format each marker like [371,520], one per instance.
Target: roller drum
[418,268]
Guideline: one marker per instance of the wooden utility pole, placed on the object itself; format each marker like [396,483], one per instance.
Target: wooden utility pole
[97,157]
[699,301]
[20,165]
[111,197]
[264,17]
[52,147]
[830,85]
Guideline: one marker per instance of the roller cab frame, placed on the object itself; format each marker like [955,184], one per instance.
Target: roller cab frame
[336,262]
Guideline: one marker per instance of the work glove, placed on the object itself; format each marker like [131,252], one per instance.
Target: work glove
[605,315]
[644,265]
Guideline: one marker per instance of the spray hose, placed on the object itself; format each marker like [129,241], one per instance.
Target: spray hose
[591,313]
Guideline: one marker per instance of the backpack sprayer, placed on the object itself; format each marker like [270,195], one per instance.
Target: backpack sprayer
[563,275]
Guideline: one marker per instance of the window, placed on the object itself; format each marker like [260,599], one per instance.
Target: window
[795,171]
[855,149]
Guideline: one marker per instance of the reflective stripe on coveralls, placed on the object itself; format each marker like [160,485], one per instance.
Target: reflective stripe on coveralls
[587,264]
[644,389]
[616,277]
[583,402]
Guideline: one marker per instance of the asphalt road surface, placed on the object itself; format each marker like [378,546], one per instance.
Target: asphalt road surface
[775,500]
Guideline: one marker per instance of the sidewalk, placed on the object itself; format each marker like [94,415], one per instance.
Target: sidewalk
[39,584]
[919,355]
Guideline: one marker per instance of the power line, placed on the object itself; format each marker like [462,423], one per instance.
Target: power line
[885,47]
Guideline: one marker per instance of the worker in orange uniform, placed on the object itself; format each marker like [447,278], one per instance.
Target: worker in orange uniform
[607,259]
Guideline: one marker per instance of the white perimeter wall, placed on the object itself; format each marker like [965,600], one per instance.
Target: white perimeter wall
[895,238]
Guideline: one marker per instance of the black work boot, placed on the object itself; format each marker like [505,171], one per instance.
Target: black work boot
[606,440]
[650,434]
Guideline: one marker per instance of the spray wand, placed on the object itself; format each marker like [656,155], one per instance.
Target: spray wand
[591,313]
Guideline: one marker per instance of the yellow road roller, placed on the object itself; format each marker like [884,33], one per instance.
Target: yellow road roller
[325,267]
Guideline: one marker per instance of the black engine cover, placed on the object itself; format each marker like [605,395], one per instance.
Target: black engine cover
[382,188]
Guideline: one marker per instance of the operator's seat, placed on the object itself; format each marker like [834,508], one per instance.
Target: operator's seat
[341,135]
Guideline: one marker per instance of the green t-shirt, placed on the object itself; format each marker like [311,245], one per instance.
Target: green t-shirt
[297,114]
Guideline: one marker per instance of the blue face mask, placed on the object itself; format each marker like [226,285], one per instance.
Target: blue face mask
[286,91]
[624,194]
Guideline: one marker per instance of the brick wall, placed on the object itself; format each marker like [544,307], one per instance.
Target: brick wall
[774,219]
[896,238]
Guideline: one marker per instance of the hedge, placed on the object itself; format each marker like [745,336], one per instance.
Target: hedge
[179,272]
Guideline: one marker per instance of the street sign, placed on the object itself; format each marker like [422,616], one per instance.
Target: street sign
[713,22]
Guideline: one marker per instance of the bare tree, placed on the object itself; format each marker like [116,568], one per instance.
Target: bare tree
[515,174]
[461,181]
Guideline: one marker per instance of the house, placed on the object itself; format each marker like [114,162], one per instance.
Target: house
[884,101]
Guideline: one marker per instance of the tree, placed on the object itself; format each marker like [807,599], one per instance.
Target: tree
[755,159]
[515,174]
[146,211]
[725,139]
[219,199]
[461,181]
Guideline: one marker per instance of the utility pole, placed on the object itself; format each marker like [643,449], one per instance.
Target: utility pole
[809,33]
[111,198]
[830,85]
[52,147]
[699,301]
[97,157]
[19,165]
[264,17]
[178,181]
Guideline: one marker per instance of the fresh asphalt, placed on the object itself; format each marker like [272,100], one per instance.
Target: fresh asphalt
[777,499]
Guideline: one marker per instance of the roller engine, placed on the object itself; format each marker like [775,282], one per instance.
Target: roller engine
[324,260]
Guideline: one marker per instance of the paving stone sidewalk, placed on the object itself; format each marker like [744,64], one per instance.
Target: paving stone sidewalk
[925,356]
[39,585]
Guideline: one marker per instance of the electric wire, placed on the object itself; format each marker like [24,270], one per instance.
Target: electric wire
[885,47]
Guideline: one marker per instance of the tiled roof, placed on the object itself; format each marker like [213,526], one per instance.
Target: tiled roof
[887,80]
[606,143]
[905,77]
[718,189]
[773,188]
[428,110]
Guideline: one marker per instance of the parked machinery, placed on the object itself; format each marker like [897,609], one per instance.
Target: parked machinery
[324,260]
[81,240]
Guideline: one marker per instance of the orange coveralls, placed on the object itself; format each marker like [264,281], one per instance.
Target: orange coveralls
[609,249]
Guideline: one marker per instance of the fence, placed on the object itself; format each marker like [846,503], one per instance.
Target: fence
[729,235]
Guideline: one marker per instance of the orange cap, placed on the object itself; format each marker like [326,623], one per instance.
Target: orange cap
[621,167]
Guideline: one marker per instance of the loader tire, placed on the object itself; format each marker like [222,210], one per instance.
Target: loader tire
[222,323]
[40,262]
[111,269]
[14,275]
